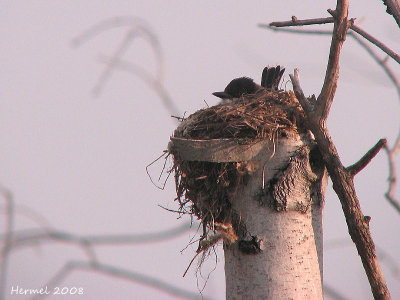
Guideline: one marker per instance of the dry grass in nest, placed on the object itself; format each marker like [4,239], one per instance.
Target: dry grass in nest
[257,116]
[204,188]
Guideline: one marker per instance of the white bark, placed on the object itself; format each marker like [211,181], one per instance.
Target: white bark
[288,262]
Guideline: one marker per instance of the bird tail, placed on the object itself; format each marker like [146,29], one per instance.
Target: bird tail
[271,76]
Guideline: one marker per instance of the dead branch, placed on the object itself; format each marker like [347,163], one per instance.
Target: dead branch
[342,179]
[365,160]
[332,72]
[352,26]
[376,42]
[393,8]
[340,28]
[357,223]
[295,78]
[296,22]
[391,153]
[390,193]
[381,62]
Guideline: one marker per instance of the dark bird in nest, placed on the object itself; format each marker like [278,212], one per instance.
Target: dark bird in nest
[270,79]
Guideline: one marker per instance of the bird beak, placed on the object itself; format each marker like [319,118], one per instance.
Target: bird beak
[222,95]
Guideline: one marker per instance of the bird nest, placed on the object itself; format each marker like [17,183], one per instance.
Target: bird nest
[204,188]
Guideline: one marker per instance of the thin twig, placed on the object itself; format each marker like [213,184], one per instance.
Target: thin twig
[367,157]
[299,92]
[376,42]
[381,62]
[173,210]
[165,153]
[355,28]
[296,22]
[191,262]
[390,193]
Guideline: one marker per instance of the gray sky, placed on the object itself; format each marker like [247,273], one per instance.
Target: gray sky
[80,160]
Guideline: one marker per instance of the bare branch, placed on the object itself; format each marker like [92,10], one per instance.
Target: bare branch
[365,45]
[295,22]
[364,161]
[371,39]
[299,92]
[383,63]
[357,223]
[391,153]
[340,28]
[393,78]
[379,61]
[393,8]
[377,43]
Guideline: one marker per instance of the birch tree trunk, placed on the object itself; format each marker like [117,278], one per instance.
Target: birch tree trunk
[279,253]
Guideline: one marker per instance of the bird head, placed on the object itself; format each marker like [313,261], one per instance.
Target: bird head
[237,87]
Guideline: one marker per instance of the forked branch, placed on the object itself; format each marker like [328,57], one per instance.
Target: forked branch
[341,177]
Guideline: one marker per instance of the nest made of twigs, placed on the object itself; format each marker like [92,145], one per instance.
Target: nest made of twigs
[204,188]
[250,117]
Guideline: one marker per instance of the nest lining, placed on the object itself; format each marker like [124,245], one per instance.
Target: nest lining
[204,188]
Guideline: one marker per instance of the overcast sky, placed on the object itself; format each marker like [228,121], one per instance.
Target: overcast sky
[79,160]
